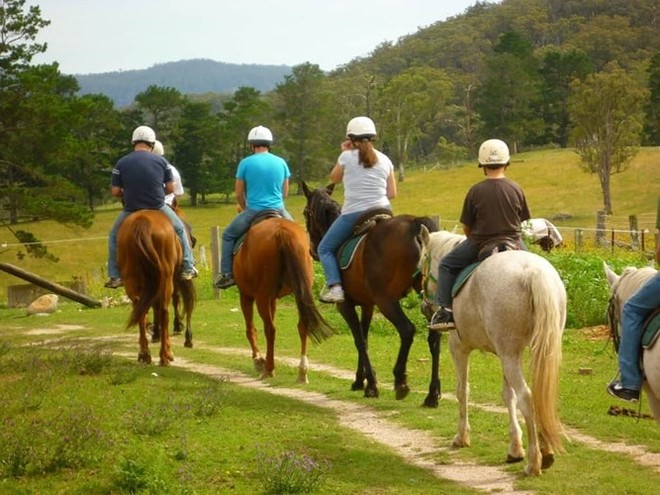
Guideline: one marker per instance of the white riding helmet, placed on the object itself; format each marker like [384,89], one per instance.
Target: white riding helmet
[260,136]
[494,152]
[361,127]
[158,148]
[144,134]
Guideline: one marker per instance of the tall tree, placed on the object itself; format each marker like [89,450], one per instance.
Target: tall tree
[160,107]
[509,96]
[408,100]
[606,111]
[301,104]
[652,122]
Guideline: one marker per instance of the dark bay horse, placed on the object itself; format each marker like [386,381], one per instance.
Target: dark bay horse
[149,256]
[273,262]
[383,270]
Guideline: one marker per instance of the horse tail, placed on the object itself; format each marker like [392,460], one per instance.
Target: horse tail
[294,256]
[147,261]
[549,316]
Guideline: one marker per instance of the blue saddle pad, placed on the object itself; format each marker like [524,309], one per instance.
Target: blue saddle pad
[651,330]
[347,250]
[463,276]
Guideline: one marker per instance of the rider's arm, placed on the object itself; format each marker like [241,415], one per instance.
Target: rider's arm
[337,174]
[391,186]
[116,191]
[239,190]
[285,188]
[657,246]
[169,187]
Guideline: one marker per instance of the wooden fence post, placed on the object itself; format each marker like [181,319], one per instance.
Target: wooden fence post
[215,258]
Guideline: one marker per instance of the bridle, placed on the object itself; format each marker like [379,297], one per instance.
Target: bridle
[319,207]
[613,311]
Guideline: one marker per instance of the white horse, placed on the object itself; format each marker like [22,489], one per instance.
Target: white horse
[514,299]
[623,286]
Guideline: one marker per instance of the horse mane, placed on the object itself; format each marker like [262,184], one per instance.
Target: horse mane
[631,280]
[442,242]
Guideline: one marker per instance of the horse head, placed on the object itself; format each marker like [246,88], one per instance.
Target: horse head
[319,212]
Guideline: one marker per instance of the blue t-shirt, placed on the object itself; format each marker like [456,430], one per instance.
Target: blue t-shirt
[263,174]
[141,175]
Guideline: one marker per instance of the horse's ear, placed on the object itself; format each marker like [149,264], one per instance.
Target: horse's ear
[610,275]
[305,189]
[329,188]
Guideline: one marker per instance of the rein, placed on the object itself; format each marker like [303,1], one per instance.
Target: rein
[613,320]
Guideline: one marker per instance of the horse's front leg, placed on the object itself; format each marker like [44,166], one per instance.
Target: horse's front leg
[360,331]
[177,327]
[247,307]
[460,357]
[434,340]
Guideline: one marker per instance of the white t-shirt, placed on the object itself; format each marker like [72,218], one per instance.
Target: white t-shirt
[178,186]
[364,187]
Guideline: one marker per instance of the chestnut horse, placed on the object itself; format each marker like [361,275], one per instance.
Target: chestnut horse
[183,298]
[273,261]
[149,256]
[383,270]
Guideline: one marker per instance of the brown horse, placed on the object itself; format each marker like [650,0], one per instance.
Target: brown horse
[183,298]
[273,262]
[149,256]
[383,270]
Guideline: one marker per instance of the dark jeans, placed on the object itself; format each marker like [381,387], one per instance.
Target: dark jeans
[464,254]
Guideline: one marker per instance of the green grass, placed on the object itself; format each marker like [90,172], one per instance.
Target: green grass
[155,416]
[552,180]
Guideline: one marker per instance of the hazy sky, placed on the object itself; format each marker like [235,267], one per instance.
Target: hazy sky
[90,36]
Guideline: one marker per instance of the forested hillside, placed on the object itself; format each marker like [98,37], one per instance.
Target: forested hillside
[578,74]
[187,76]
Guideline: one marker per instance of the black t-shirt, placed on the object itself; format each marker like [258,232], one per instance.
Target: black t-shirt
[141,175]
[493,210]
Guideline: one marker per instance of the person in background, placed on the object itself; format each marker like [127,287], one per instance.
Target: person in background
[493,210]
[368,179]
[635,311]
[159,150]
[141,179]
[262,183]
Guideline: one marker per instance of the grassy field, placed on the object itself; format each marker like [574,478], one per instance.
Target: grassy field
[77,417]
[552,181]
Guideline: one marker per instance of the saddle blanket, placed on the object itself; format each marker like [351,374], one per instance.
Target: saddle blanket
[651,330]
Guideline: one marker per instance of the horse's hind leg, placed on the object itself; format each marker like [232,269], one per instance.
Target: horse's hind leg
[144,356]
[247,307]
[166,355]
[516,451]
[266,309]
[515,380]
[303,367]
[434,341]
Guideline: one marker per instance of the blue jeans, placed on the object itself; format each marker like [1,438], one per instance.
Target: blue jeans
[634,312]
[464,254]
[239,226]
[339,231]
[179,228]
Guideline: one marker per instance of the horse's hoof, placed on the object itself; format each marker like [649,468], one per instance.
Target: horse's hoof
[371,393]
[355,386]
[547,460]
[402,391]
[259,365]
[431,401]
[155,339]
[512,460]
[188,344]
[457,443]
[144,357]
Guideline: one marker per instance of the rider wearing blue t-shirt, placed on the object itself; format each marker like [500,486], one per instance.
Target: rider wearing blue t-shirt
[142,179]
[262,183]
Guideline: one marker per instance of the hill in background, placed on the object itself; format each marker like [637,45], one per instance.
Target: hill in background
[188,76]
